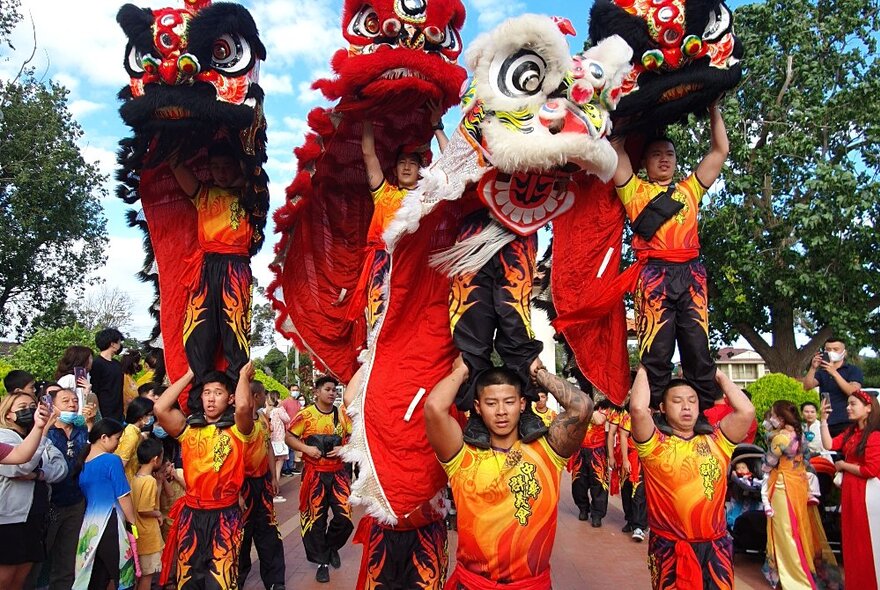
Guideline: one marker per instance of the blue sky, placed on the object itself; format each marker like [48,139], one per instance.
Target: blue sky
[82,48]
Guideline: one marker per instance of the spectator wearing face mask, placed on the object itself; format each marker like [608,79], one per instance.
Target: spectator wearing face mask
[70,436]
[24,489]
[139,419]
[830,372]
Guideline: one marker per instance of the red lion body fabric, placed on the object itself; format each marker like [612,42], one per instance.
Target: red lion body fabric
[401,55]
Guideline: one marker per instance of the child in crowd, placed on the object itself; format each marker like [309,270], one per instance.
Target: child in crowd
[743,473]
[138,415]
[145,497]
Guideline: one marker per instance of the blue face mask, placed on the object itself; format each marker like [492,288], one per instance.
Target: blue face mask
[159,432]
[72,418]
[150,421]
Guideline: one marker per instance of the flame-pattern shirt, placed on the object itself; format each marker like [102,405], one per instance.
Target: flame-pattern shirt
[224,226]
[213,465]
[686,484]
[311,420]
[386,202]
[678,232]
[507,505]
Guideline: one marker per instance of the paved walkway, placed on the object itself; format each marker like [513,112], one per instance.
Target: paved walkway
[584,558]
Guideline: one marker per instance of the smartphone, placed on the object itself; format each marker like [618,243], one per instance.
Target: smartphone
[826,397]
[79,373]
[826,357]
[46,399]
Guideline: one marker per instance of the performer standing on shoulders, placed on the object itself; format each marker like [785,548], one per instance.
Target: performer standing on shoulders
[219,278]
[685,478]
[508,495]
[319,432]
[202,546]
[671,296]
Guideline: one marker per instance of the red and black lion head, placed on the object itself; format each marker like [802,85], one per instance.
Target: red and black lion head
[685,55]
[399,50]
[194,81]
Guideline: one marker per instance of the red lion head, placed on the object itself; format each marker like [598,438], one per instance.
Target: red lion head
[402,51]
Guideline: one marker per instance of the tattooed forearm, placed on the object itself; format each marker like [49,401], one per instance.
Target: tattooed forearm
[568,429]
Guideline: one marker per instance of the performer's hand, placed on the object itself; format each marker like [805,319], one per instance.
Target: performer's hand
[436,112]
[247,372]
[313,452]
[612,463]
[625,467]
[335,452]
[536,366]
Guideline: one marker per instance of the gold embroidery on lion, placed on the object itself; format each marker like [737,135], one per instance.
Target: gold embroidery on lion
[524,487]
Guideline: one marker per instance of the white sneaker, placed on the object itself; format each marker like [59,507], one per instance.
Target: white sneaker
[638,535]
[279,499]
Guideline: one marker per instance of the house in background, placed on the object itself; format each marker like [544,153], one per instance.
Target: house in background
[742,365]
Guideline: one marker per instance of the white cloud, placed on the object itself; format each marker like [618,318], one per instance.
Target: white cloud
[82,108]
[492,12]
[103,158]
[273,84]
[293,31]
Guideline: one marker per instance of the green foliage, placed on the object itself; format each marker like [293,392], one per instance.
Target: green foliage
[871,370]
[790,239]
[10,14]
[40,353]
[5,367]
[773,387]
[271,384]
[54,230]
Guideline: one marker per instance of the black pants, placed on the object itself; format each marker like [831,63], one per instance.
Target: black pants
[672,306]
[404,559]
[491,309]
[322,493]
[635,506]
[589,478]
[219,311]
[261,529]
[105,569]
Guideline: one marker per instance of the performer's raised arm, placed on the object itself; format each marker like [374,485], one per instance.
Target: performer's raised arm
[375,176]
[640,407]
[170,418]
[437,125]
[735,426]
[185,178]
[624,167]
[568,428]
[244,401]
[444,432]
[709,169]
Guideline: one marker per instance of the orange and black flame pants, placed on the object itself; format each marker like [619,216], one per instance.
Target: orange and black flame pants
[400,559]
[261,530]
[690,563]
[218,313]
[324,491]
[589,480]
[671,301]
[491,309]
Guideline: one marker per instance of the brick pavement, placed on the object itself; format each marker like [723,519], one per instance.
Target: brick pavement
[584,558]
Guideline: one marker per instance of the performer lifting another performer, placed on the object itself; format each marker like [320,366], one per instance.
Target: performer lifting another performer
[220,279]
[508,495]
[201,550]
[671,296]
[685,479]
[319,432]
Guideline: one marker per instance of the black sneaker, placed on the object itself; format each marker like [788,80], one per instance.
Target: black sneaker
[584,514]
[323,573]
[334,559]
[475,432]
[197,419]
[531,427]
[226,420]
[627,528]
[702,426]
[596,522]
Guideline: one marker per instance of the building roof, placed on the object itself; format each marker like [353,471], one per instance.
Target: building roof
[730,354]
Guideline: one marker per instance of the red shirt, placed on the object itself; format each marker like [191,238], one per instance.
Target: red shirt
[717,412]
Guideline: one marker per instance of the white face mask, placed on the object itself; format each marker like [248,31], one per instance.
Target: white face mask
[835,357]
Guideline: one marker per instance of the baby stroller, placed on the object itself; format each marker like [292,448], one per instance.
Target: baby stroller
[745,513]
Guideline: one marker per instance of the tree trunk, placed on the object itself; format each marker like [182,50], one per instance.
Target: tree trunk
[783,356]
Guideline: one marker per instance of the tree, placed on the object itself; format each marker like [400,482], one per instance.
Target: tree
[54,230]
[39,354]
[262,319]
[103,309]
[789,240]
[10,14]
